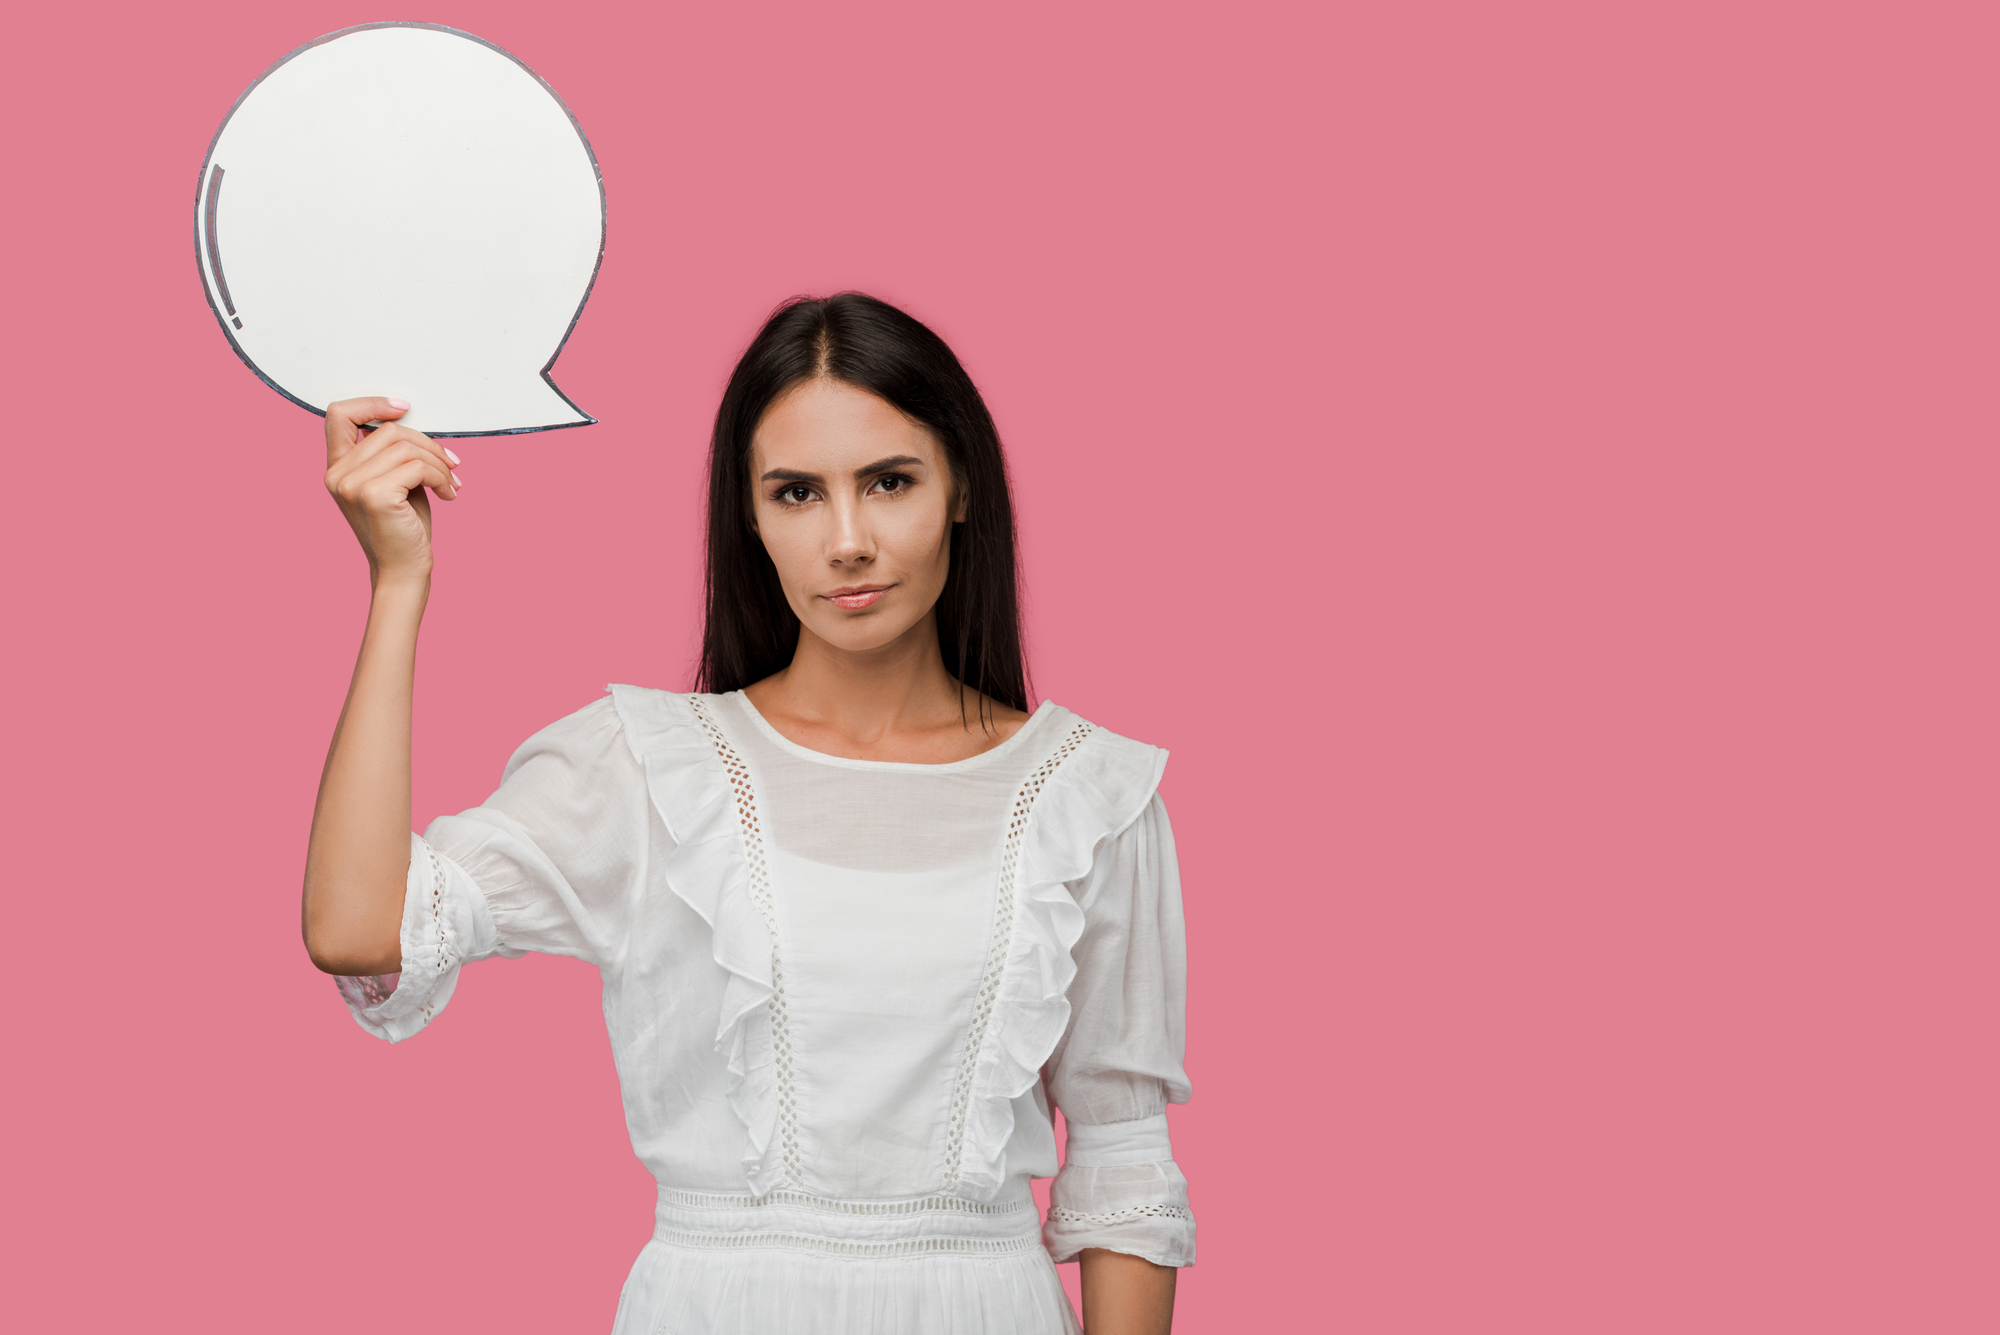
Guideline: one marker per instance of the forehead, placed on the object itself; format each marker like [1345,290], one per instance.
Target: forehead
[825,425]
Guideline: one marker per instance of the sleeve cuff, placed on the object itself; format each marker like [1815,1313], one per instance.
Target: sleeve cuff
[1117,1144]
[445,924]
[1120,1189]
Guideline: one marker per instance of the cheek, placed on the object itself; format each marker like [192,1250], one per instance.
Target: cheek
[789,546]
[922,542]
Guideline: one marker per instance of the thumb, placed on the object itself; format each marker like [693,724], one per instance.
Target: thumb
[345,418]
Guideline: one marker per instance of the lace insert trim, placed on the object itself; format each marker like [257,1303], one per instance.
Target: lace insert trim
[437,916]
[1003,941]
[801,1242]
[1060,1215]
[760,895]
[703,1200]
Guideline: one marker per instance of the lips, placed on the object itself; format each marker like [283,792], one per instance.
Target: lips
[856,596]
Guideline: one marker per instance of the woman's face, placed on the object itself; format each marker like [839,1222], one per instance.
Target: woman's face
[855,504]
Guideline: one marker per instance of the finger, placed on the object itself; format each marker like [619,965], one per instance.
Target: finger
[394,485]
[390,443]
[344,419]
[358,479]
[428,472]
[384,441]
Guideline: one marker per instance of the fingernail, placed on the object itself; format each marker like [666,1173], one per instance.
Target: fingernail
[402,405]
[454,478]
[455,460]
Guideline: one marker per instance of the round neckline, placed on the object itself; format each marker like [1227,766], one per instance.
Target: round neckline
[786,744]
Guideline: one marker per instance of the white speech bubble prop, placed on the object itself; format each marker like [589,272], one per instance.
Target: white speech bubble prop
[408,210]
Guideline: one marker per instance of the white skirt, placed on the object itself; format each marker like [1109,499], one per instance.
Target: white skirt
[793,1264]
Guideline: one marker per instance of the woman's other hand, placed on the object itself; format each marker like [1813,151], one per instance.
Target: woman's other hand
[378,478]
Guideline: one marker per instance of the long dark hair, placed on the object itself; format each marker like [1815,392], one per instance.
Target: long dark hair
[750,631]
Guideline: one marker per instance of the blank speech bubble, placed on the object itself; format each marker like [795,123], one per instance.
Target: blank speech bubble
[404,209]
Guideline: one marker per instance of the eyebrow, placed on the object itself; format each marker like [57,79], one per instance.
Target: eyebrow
[879,466]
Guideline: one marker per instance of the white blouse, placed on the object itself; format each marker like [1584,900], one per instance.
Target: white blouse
[842,995]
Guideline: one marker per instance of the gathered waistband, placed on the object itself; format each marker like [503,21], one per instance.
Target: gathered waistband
[830,1226]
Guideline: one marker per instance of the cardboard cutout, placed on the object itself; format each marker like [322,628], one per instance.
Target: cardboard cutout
[404,209]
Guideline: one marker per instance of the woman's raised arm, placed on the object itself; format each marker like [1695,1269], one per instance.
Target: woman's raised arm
[357,862]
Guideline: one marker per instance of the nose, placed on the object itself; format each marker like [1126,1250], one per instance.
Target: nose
[851,543]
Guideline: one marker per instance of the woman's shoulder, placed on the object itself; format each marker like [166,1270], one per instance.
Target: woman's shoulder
[635,705]
[631,739]
[1074,729]
[1113,776]
[594,731]
[622,724]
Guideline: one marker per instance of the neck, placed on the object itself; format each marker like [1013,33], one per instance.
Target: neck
[868,695]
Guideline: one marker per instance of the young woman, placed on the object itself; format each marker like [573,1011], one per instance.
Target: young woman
[862,919]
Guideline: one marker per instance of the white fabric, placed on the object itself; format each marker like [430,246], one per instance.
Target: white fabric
[1115,1144]
[841,995]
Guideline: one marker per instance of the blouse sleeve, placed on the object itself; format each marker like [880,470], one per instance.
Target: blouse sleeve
[551,862]
[1119,1066]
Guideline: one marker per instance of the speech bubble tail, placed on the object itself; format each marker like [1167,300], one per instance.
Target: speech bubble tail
[577,416]
[568,414]
[518,408]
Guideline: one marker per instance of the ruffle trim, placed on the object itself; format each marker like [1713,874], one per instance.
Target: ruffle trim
[1093,796]
[708,869]
[1097,791]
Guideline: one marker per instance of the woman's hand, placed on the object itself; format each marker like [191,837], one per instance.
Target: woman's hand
[378,480]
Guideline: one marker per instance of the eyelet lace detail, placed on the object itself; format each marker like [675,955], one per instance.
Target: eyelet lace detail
[368,991]
[801,1242]
[707,1200]
[1060,1215]
[760,895]
[1003,940]
[445,961]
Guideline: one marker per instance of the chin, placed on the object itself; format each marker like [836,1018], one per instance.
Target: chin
[858,634]
[858,640]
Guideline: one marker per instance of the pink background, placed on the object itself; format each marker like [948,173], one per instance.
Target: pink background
[1533,469]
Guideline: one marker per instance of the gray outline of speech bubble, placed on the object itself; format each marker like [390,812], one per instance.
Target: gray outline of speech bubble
[210,282]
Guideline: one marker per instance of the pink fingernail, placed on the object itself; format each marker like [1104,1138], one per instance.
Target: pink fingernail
[455,460]
[402,405]
[454,478]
